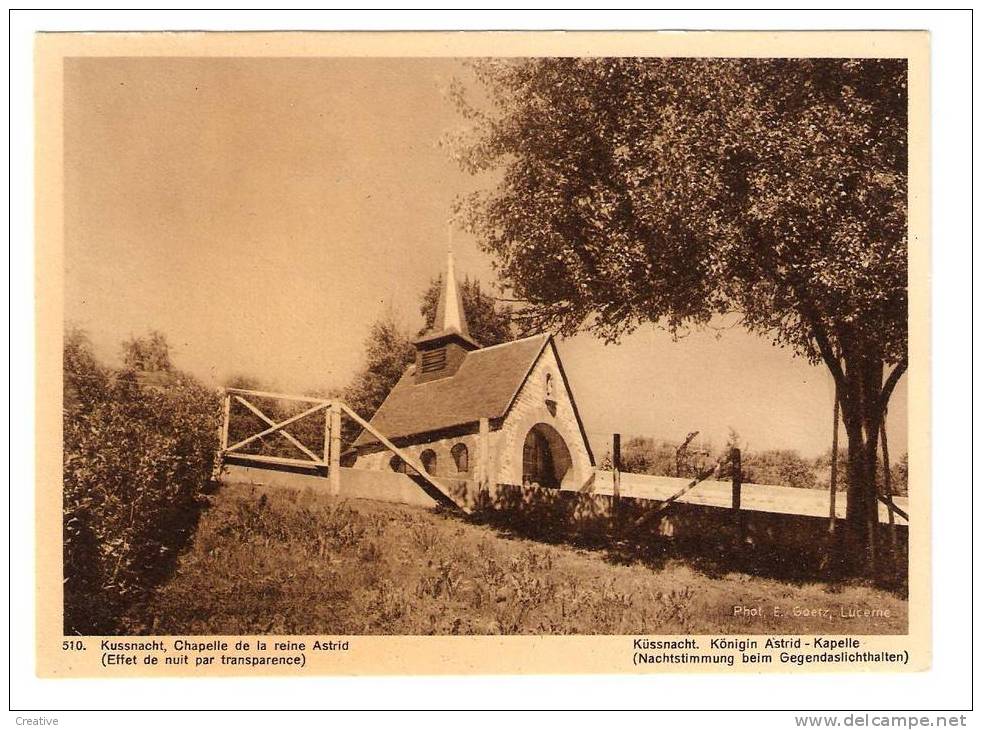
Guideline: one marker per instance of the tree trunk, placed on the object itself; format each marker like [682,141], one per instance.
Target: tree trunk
[863,409]
[861,508]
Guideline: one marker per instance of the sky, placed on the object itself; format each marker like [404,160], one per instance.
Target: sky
[262,213]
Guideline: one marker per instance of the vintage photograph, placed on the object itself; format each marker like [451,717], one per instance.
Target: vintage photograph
[484,345]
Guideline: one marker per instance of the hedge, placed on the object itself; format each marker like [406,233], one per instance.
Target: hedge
[137,459]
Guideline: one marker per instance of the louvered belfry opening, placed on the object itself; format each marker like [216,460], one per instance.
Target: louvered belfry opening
[441,350]
[433,360]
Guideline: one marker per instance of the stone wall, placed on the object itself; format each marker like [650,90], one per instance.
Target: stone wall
[756,542]
[355,484]
[379,461]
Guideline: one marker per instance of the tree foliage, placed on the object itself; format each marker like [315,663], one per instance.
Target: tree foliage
[673,191]
[149,354]
[388,352]
[669,191]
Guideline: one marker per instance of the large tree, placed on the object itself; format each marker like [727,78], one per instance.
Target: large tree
[677,191]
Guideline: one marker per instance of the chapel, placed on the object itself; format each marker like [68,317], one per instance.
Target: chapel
[503,414]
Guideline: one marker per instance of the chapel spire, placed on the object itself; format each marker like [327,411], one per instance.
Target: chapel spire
[450,316]
[441,349]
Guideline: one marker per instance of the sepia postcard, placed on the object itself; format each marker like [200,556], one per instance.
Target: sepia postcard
[482,353]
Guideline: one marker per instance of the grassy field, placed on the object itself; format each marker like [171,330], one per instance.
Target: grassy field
[284,562]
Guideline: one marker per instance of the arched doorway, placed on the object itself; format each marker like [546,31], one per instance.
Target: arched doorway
[545,457]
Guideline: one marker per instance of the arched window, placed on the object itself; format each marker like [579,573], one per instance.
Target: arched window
[549,393]
[459,454]
[400,467]
[428,459]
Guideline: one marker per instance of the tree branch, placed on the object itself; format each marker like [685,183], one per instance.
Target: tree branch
[891,383]
[821,339]
[808,312]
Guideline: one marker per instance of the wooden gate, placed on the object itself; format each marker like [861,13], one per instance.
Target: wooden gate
[328,458]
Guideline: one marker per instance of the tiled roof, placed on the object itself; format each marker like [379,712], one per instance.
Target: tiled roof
[483,387]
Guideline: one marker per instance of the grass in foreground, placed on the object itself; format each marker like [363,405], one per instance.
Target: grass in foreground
[284,562]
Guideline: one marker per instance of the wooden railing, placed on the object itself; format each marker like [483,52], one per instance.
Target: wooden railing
[330,458]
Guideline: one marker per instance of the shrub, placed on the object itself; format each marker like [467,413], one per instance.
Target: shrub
[136,460]
[779,466]
[645,455]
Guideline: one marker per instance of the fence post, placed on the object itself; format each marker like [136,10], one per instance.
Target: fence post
[227,407]
[616,474]
[334,470]
[219,464]
[888,489]
[736,477]
[327,435]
